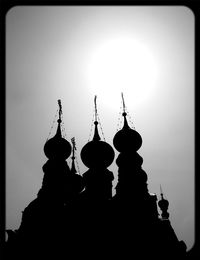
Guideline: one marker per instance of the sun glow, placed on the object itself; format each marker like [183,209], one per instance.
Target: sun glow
[122,65]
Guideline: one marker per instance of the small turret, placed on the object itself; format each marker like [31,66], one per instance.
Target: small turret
[163,205]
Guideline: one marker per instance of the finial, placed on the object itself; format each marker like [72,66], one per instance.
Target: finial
[126,126]
[95,106]
[73,142]
[73,168]
[161,191]
[124,107]
[58,133]
[60,111]
[73,147]
[96,134]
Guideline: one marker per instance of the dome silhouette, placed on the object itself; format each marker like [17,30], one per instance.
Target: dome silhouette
[57,147]
[97,154]
[163,203]
[55,166]
[142,175]
[77,183]
[126,139]
[126,157]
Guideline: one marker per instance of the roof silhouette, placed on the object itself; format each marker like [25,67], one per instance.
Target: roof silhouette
[78,217]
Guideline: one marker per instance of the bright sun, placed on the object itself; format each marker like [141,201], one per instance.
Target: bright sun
[122,65]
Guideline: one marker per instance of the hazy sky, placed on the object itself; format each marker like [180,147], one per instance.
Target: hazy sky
[73,52]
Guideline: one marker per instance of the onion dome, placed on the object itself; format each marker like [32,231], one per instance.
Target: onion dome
[50,169]
[57,147]
[163,203]
[56,166]
[126,158]
[142,175]
[127,138]
[97,153]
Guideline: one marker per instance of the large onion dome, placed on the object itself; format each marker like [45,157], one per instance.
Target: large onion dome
[97,153]
[127,138]
[57,147]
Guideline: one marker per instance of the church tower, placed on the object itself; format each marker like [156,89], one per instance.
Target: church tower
[97,155]
[60,186]
[94,205]
[56,181]
[136,219]
[132,179]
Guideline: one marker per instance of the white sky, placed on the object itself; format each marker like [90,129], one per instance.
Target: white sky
[60,52]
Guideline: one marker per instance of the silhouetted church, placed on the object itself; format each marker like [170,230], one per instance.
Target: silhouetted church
[77,217]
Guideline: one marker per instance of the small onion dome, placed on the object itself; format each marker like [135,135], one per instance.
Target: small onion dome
[127,138]
[97,153]
[56,166]
[163,203]
[57,147]
[74,185]
[142,175]
[90,176]
[128,158]
[76,179]
[55,173]
[77,183]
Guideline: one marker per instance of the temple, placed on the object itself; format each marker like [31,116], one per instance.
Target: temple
[76,215]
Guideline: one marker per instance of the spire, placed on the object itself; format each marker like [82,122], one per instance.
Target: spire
[124,114]
[96,133]
[95,106]
[58,133]
[161,192]
[73,168]
[123,102]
